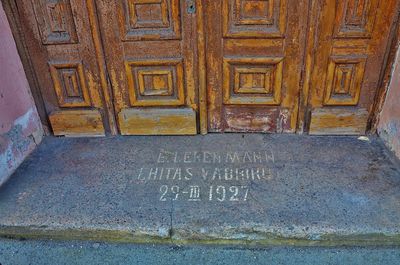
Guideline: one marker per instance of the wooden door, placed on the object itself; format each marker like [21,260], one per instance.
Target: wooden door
[150,48]
[254,62]
[347,49]
[63,52]
[137,66]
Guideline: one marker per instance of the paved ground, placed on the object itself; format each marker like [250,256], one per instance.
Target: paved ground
[68,253]
[228,188]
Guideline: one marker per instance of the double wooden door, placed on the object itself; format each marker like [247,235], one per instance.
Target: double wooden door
[184,66]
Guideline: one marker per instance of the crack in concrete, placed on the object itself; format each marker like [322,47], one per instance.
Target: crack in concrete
[171,224]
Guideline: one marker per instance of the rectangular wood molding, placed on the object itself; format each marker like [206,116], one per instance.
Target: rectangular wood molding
[158,121]
[338,122]
[77,123]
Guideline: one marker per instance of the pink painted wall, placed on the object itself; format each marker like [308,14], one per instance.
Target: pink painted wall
[20,127]
[389,120]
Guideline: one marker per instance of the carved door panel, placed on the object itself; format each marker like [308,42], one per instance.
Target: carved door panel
[63,54]
[150,53]
[351,41]
[254,61]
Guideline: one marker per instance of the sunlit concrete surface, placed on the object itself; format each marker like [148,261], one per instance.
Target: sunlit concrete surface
[216,189]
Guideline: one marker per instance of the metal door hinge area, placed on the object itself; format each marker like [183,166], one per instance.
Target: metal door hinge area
[191,6]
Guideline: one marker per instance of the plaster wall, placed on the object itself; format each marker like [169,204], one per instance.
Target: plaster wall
[20,127]
[389,120]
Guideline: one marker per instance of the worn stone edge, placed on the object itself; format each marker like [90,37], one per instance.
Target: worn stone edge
[175,237]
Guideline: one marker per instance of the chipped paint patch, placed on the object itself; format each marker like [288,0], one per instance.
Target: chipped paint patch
[20,127]
[16,144]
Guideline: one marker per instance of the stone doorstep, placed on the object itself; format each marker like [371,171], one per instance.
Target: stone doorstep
[248,240]
[248,189]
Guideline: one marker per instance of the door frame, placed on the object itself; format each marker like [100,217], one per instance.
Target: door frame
[11,10]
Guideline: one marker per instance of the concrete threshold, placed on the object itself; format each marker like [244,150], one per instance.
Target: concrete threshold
[250,189]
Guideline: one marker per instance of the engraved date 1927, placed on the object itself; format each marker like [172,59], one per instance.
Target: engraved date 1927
[197,193]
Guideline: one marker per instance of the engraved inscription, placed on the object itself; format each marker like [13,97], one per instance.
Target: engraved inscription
[216,173]
[206,157]
[55,21]
[201,176]
[197,194]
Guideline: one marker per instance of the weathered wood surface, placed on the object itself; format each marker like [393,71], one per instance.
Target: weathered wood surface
[338,122]
[67,58]
[241,66]
[151,55]
[158,121]
[347,45]
[254,62]
[77,123]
